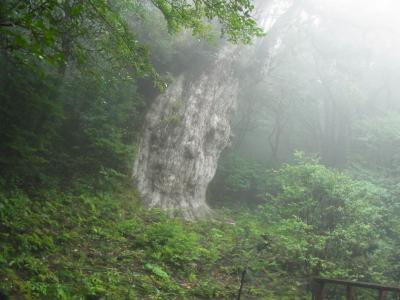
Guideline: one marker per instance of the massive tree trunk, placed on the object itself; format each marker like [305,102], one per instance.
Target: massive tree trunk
[186,129]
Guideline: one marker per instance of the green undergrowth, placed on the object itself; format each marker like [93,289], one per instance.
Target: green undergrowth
[61,246]
[314,221]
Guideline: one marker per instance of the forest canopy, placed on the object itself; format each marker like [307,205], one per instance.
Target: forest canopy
[60,31]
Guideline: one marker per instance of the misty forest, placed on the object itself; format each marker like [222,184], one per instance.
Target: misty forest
[199,149]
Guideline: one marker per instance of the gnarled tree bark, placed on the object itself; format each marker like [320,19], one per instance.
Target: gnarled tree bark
[186,129]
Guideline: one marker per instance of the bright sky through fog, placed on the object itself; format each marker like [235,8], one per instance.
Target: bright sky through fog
[371,14]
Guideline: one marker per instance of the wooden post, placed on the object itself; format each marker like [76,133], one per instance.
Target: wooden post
[319,291]
[350,293]
[241,284]
[381,295]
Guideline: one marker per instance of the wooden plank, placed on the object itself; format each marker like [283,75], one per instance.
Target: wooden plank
[358,284]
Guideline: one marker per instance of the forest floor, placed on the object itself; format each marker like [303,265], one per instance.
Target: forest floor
[110,247]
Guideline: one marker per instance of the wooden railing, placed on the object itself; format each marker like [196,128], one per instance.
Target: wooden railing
[319,285]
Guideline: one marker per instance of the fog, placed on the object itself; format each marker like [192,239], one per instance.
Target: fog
[329,66]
